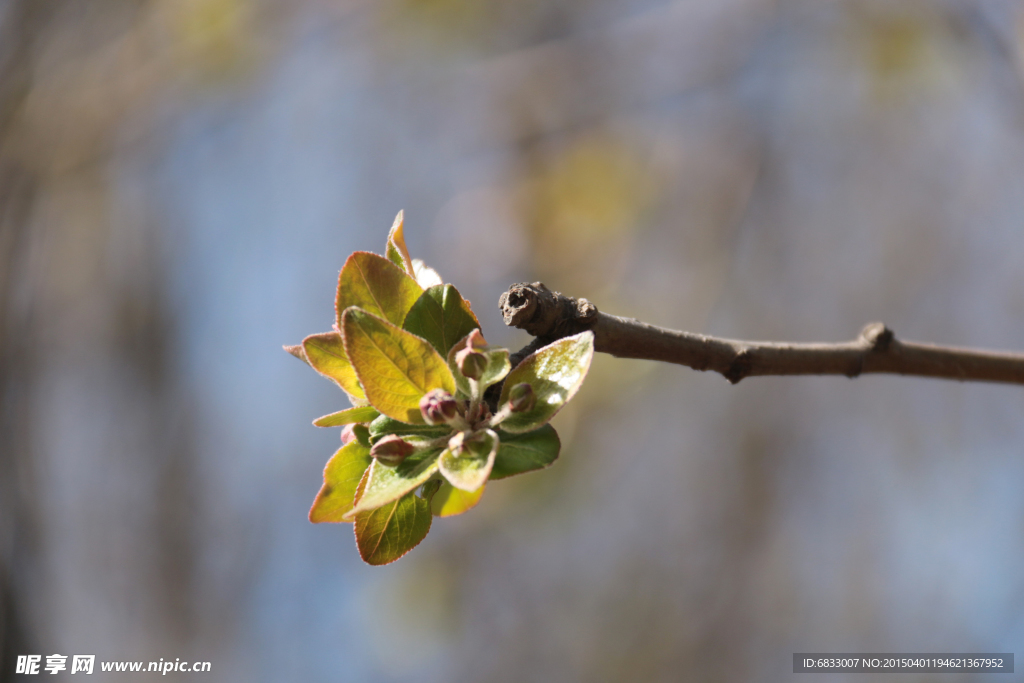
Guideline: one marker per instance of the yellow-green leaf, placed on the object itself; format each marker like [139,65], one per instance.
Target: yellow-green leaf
[387,483]
[357,415]
[396,251]
[377,286]
[520,453]
[555,372]
[387,533]
[341,478]
[442,317]
[450,501]
[396,368]
[326,353]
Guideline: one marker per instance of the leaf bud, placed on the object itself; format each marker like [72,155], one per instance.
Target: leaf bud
[438,407]
[472,364]
[521,398]
[391,450]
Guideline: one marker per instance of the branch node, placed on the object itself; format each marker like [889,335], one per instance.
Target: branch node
[534,308]
[878,337]
[740,366]
[586,312]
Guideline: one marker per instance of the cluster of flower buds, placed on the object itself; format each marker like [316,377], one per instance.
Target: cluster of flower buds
[438,407]
[392,450]
[521,398]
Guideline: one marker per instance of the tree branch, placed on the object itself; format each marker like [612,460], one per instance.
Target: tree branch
[549,316]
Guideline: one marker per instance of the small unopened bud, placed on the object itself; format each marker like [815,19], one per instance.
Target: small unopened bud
[472,364]
[348,434]
[437,407]
[391,450]
[521,398]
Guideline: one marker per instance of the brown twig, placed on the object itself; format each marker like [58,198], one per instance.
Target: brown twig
[549,316]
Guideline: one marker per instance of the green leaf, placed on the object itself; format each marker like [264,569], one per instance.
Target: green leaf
[497,365]
[387,533]
[396,251]
[387,483]
[346,417]
[326,353]
[442,317]
[384,425]
[469,469]
[396,368]
[519,453]
[555,372]
[450,501]
[377,286]
[341,478]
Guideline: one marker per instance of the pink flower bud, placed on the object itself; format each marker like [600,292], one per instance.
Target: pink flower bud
[438,407]
[348,434]
[391,450]
[521,398]
[471,364]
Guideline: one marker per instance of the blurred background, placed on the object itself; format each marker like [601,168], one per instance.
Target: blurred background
[181,180]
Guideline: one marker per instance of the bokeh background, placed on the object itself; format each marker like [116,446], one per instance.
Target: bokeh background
[181,180]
